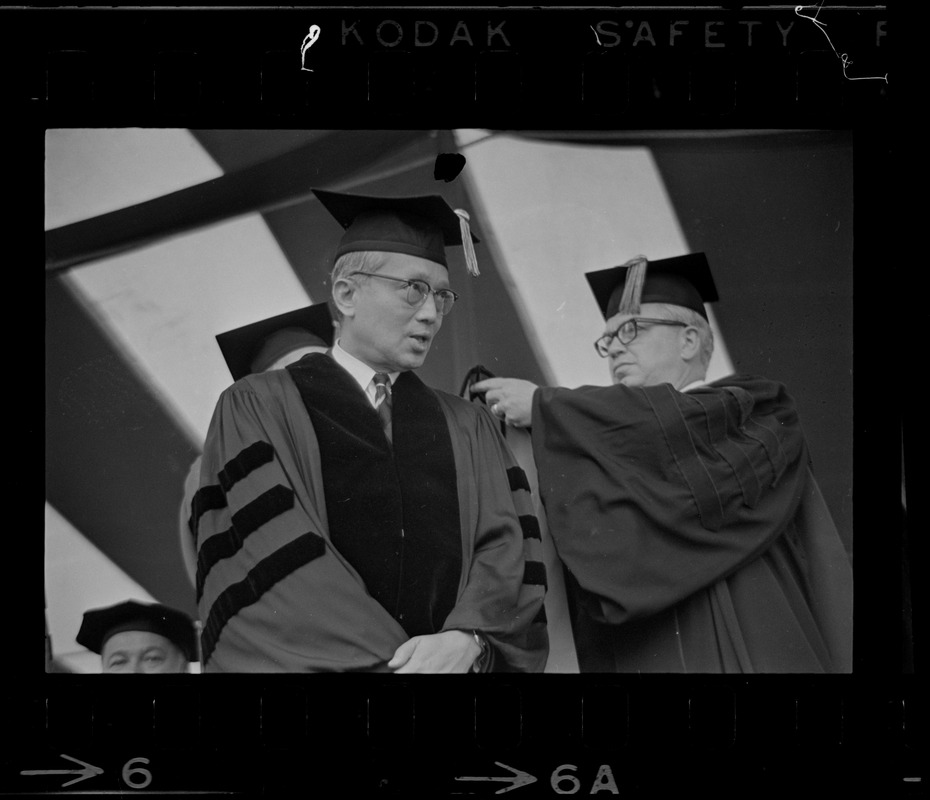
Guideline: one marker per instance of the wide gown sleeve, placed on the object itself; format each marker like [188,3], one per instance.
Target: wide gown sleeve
[652,495]
[273,593]
[503,587]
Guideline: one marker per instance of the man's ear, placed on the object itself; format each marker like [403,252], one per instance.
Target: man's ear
[690,343]
[344,294]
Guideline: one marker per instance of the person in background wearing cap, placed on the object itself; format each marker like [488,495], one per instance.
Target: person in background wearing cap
[351,518]
[268,344]
[693,532]
[140,638]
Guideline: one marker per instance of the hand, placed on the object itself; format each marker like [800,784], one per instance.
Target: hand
[509,399]
[449,651]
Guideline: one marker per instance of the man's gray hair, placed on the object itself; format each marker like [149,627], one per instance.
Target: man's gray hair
[358,261]
[695,320]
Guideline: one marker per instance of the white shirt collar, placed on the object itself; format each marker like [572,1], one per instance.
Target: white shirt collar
[358,370]
[693,385]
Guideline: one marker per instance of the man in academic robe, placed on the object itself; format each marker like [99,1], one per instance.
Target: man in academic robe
[350,518]
[136,638]
[270,343]
[694,534]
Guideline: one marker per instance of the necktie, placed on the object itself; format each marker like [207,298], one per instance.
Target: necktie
[383,401]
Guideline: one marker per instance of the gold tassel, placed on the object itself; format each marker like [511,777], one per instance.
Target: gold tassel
[633,286]
[471,261]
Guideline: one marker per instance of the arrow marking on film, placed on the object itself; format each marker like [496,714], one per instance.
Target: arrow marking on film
[518,779]
[86,771]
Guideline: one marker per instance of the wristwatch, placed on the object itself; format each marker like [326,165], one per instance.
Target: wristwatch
[480,664]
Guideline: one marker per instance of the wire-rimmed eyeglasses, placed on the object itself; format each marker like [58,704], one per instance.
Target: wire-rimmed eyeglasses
[417,291]
[628,331]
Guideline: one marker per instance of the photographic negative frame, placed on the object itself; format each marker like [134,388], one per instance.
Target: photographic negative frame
[696,87]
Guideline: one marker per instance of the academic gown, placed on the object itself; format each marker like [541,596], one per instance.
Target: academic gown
[187,542]
[694,534]
[276,594]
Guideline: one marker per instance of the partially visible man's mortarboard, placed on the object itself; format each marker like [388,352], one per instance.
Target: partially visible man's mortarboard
[682,281]
[255,347]
[99,624]
[420,226]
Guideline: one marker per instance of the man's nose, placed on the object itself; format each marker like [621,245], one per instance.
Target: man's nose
[616,347]
[429,310]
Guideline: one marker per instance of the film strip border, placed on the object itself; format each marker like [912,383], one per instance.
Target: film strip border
[639,66]
[259,734]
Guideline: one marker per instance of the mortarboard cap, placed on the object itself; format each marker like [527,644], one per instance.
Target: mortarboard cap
[420,226]
[255,347]
[682,281]
[99,624]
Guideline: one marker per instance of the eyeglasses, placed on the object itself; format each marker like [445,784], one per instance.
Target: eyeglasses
[417,291]
[628,331]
